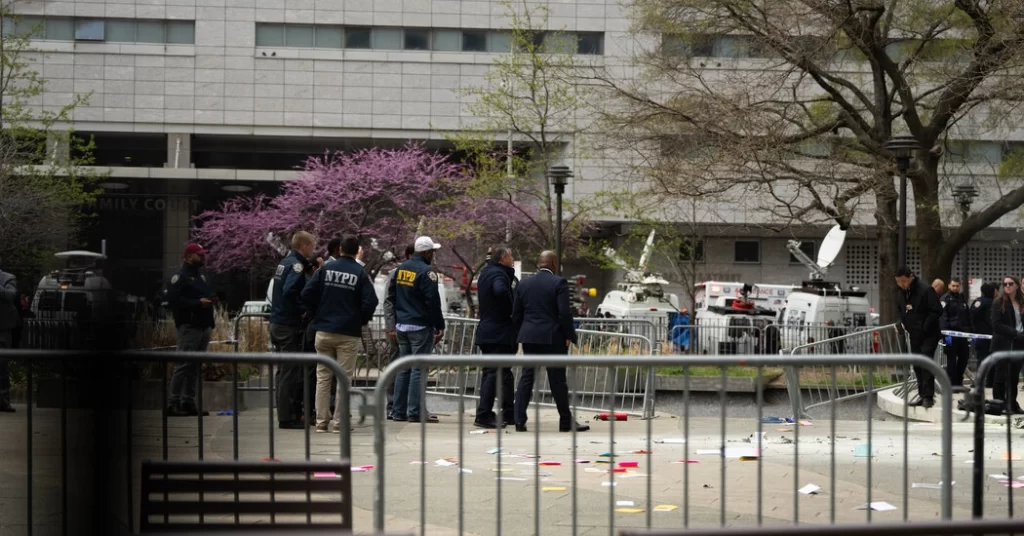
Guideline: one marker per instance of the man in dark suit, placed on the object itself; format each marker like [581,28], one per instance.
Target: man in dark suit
[543,318]
[10,319]
[496,335]
[919,313]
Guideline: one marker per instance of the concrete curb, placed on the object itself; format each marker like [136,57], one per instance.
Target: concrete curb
[892,404]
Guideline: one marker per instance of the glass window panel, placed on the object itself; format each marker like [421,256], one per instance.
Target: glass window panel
[590,43]
[29,27]
[387,39]
[60,29]
[120,31]
[89,30]
[329,37]
[270,35]
[499,42]
[747,251]
[417,39]
[730,46]
[474,41]
[150,31]
[560,43]
[447,40]
[183,32]
[357,38]
[298,35]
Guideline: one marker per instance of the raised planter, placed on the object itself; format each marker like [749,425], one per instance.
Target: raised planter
[714,384]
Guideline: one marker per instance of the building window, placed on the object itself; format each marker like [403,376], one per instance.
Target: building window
[417,39]
[807,246]
[270,35]
[387,39]
[747,251]
[590,43]
[357,38]
[89,30]
[447,41]
[178,32]
[474,41]
[691,250]
[298,35]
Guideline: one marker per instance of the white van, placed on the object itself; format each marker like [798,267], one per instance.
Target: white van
[822,310]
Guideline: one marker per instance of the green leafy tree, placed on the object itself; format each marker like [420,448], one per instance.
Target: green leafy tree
[44,187]
[791,102]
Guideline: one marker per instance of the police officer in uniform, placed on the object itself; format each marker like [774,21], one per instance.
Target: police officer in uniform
[9,320]
[287,326]
[955,318]
[496,335]
[419,325]
[389,326]
[191,300]
[981,322]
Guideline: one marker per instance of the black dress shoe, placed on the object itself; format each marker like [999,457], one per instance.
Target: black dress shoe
[927,402]
[579,427]
[193,411]
[291,425]
[521,428]
[490,425]
[175,411]
[6,408]
[917,402]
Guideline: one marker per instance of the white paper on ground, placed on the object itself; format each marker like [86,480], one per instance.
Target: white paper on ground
[609,484]
[810,489]
[624,503]
[445,463]
[466,470]
[704,452]
[742,453]
[929,486]
[880,506]
[515,478]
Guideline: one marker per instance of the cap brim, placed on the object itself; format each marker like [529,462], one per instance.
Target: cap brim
[436,246]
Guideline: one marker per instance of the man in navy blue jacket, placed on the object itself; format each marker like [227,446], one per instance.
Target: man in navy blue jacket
[287,325]
[344,299]
[543,317]
[496,335]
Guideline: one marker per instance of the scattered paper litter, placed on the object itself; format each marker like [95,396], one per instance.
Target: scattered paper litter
[326,475]
[495,450]
[672,441]
[445,462]
[633,475]
[606,455]
[629,464]
[642,451]
[1006,457]
[864,451]
[929,485]
[554,488]
[515,478]
[581,461]
[704,452]
[686,461]
[531,464]
[550,464]
[783,429]
[594,470]
[417,463]
[464,470]
[742,453]
[806,423]
[609,484]
[501,469]
[630,510]
[478,432]
[665,508]
[362,468]
[1014,485]
[810,489]
[625,503]
[998,477]
[880,506]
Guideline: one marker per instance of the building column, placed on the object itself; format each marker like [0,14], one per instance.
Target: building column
[179,151]
[177,217]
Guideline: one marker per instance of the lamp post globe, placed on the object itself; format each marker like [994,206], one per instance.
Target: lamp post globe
[559,177]
[902,148]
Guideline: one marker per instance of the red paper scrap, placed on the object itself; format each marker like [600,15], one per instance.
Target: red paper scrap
[686,461]
[629,464]
[550,464]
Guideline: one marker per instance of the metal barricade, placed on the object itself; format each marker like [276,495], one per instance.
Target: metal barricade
[797,334]
[43,334]
[989,487]
[818,387]
[654,330]
[730,466]
[718,338]
[86,421]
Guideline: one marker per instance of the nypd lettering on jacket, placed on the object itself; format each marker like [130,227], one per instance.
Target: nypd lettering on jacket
[417,300]
[334,278]
[342,297]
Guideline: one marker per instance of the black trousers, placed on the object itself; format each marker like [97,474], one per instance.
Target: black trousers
[288,339]
[556,381]
[958,353]
[925,378]
[1007,376]
[982,348]
[489,386]
[6,341]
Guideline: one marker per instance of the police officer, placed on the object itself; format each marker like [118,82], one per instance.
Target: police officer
[955,318]
[981,322]
[191,300]
[919,313]
[419,324]
[287,326]
[389,326]
[496,334]
[344,300]
[9,320]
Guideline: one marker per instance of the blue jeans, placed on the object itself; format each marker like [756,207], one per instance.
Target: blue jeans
[407,383]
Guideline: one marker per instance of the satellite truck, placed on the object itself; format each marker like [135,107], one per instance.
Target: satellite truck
[821,309]
[640,295]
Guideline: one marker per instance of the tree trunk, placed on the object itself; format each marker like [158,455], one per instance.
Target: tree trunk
[888,256]
[928,232]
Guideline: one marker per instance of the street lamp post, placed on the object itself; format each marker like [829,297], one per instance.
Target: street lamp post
[903,147]
[559,177]
[964,196]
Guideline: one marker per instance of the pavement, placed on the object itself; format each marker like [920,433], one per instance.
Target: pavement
[891,401]
[707,492]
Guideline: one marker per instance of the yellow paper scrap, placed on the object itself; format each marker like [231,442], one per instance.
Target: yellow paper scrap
[630,510]
[502,470]
[665,508]
[554,488]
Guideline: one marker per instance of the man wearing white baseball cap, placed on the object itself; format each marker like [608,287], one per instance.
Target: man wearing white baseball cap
[420,324]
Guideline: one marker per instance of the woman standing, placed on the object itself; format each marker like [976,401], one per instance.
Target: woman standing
[1008,336]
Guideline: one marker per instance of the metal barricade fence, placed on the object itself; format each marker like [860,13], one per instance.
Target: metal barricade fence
[797,334]
[654,330]
[694,471]
[718,339]
[86,421]
[818,387]
[987,486]
[43,334]
[632,387]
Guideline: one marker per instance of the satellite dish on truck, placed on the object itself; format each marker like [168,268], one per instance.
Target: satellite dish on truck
[827,253]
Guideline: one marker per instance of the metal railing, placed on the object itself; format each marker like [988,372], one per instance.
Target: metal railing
[713,486]
[718,339]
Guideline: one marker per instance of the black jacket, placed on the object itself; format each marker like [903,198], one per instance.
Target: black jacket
[343,297]
[541,313]
[417,300]
[1004,330]
[981,315]
[183,293]
[495,288]
[290,278]
[954,313]
[9,306]
[919,313]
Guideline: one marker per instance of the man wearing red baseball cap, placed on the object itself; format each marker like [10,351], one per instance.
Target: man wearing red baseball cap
[191,300]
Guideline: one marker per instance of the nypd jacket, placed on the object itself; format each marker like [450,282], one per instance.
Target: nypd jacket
[183,293]
[954,313]
[389,303]
[343,297]
[417,301]
[286,307]
[981,315]
[495,288]
[9,315]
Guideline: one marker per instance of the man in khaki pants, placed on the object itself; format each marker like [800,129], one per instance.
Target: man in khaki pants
[343,297]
